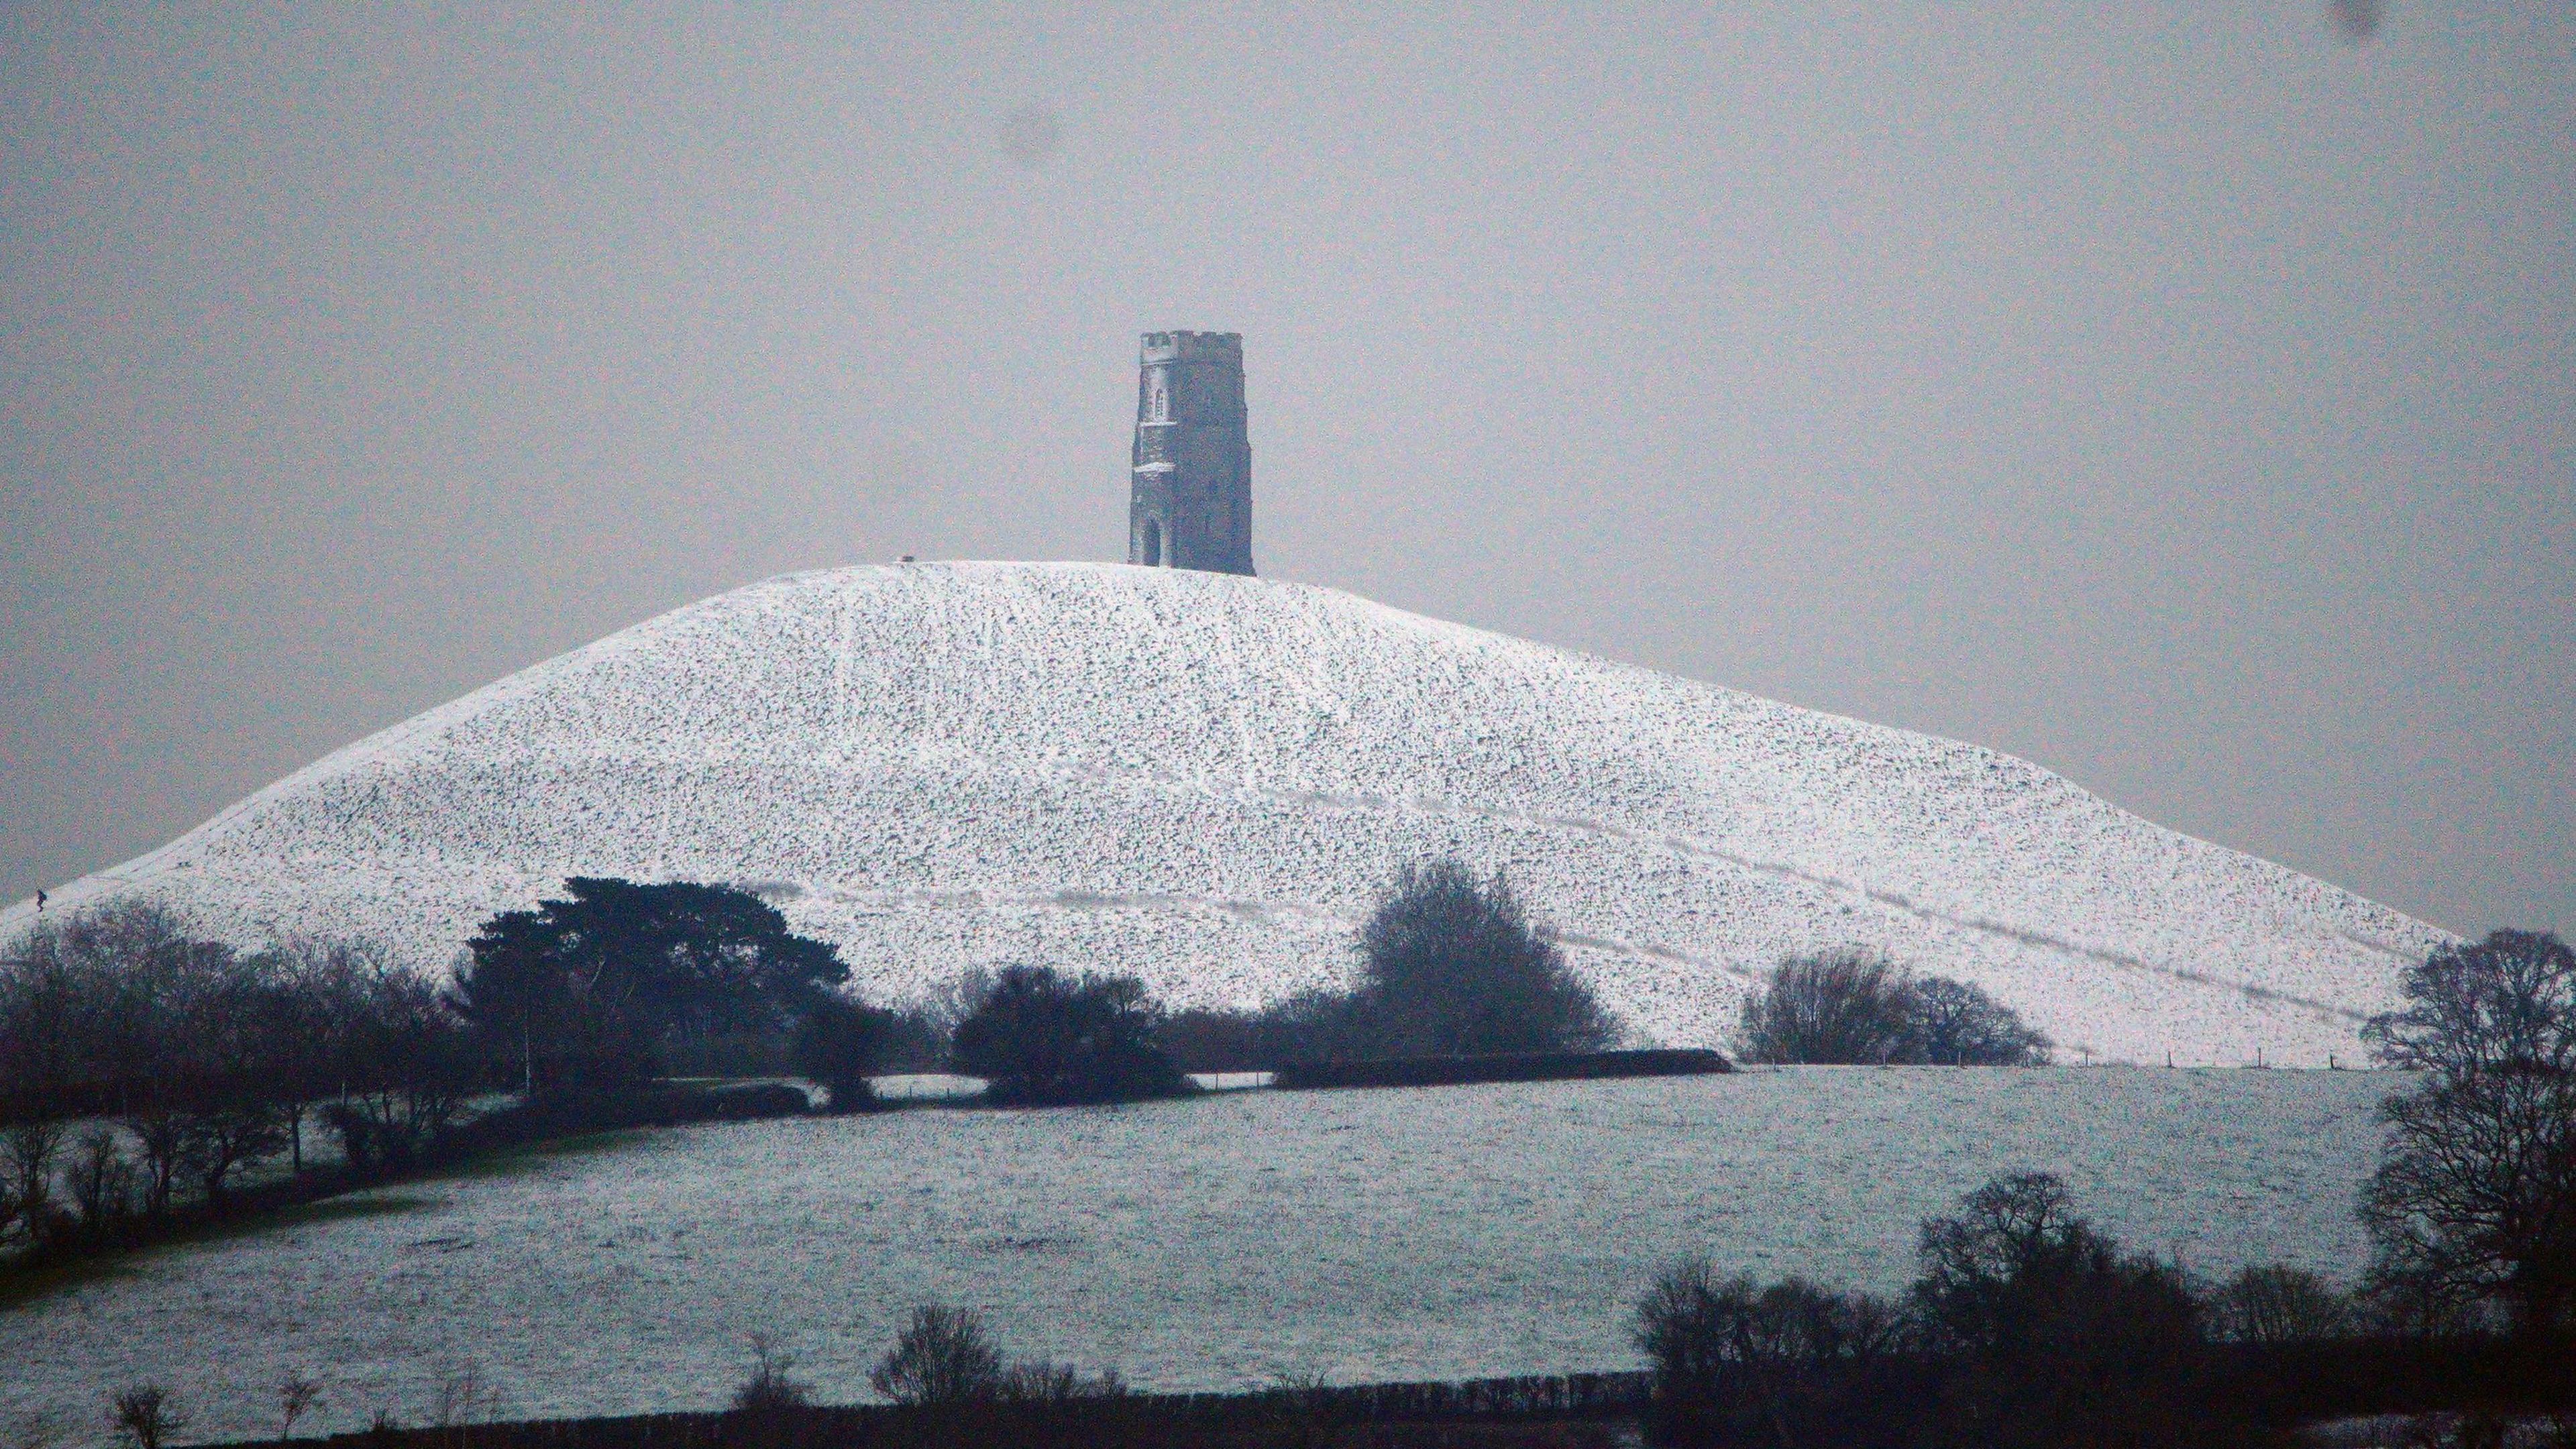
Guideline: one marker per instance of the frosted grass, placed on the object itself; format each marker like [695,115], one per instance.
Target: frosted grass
[1207,1244]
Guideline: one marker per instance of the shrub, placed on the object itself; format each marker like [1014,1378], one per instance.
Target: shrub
[913,1039]
[1039,1382]
[837,1045]
[1308,1026]
[1733,1361]
[943,1356]
[1041,1037]
[1453,967]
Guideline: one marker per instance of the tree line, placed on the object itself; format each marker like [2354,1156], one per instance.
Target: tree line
[188,1062]
[2028,1326]
[1449,965]
[140,1063]
[146,1068]
[143,1063]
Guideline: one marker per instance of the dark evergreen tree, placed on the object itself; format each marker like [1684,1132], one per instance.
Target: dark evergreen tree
[587,989]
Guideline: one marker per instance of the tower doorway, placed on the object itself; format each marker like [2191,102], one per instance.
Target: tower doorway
[1153,543]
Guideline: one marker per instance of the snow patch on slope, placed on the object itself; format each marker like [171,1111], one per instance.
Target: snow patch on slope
[1202,779]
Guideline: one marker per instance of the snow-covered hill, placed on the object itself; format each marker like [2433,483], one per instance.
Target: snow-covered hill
[1201,779]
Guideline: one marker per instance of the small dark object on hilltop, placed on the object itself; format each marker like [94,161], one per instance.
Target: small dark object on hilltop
[1499,1067]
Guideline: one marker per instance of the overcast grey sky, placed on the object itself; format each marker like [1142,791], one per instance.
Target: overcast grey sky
[2181,396]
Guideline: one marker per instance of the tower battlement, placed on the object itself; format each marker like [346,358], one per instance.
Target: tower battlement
[1190,480]
[1193,347]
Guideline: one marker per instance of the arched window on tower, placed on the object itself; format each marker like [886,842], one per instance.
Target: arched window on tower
[1158,402]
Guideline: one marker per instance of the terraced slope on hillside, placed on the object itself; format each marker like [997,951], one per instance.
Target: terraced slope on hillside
[1202,779]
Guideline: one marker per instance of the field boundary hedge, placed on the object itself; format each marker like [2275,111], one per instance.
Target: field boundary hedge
[1131,1419]
[2276,1385]
[1499,1067]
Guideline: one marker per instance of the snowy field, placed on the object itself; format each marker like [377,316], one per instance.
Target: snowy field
[1207,1244]
[1205,780]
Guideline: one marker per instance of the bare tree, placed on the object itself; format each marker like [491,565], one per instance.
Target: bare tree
[2278,1303]
[302,1018]
[101,1181]
[1040,1382]
[407,1061]
[1956,1024]
[295,1395]
[147,1415]
[1741,1361]
[27,1151]
[2474,1202]
[2506,1002]
[1848,1005]
[161,1133]
[1852,1006]
[219,1140]
[2057,1336]
[942,1357]
[769,1388]
[462,1396]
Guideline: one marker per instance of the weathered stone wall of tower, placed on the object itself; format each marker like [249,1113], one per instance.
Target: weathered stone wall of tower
[1190,501]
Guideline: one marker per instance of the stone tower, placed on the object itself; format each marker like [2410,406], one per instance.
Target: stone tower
[1190,506]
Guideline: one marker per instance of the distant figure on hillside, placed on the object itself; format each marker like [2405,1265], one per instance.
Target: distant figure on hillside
[40,900]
